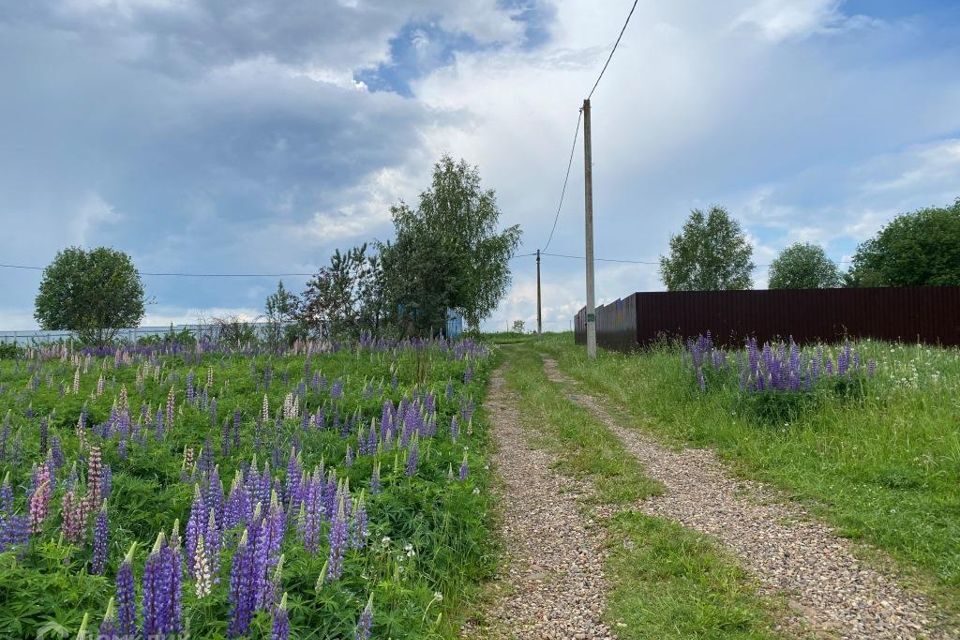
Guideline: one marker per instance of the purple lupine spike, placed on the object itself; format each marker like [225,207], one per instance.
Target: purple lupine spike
[99,559]
[413,458]
[213,496]
[212,541]
[464,468]
[56,452]
[281,621]
[156,590]
[195,526]
[126,597]
[108,627]
[6,497]
[338,542]
[241,588]
[365,623]
[106,482]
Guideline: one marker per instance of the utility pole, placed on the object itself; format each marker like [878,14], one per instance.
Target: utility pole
[588,215]
[539,309]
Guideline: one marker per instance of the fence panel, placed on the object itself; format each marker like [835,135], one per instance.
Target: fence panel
[910,314]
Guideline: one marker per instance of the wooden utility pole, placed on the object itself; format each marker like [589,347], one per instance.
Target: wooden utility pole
[539,309]
[588,219]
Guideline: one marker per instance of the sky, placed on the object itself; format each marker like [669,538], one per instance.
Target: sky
[256,136]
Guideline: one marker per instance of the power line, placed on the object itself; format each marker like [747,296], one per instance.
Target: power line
[566,177]
[612,51]
[645,262]
[180,274]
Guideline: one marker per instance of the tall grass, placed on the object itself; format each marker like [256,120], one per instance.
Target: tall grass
[882,465]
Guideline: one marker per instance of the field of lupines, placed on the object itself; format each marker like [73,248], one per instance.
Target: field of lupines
[332,491]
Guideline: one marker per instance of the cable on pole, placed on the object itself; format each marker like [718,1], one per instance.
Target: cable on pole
[566,177]
[612,51]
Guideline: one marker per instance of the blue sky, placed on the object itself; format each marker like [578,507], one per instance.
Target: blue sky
[255,136]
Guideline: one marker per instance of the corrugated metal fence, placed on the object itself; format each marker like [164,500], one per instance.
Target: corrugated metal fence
[910,314]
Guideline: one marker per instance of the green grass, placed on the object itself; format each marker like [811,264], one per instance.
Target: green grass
[666,581]
[883,468]
[669,582]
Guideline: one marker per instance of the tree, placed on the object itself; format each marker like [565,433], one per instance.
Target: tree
[345,298]
[93,293]
[447,253]
[803,266]
[517,326]
[283,312]
[916,249]
[711,253]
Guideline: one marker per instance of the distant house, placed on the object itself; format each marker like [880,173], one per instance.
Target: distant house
[454,324]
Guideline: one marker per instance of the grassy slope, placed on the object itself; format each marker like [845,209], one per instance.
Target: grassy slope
[885,470]
[667,582]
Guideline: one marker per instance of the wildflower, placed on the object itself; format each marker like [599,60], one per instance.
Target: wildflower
[126,600]
[99,560]
[464,469]
[201,570]
[108,627]
[413,458]
[322,578]
[40,499]
[281,621]
[337,541]
[375,479]
[365,623]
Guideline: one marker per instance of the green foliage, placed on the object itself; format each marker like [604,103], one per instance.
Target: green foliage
[710,254]
[10,350]
[803,266]
[283,312]
[346,297]
[915,249]
[671,583]
[91,292]
[447,253]
[46,586]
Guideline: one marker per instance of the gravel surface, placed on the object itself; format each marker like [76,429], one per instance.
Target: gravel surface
[553,585]
[789,552]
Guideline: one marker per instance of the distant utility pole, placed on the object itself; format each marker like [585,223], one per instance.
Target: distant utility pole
[588,215]
[539,309]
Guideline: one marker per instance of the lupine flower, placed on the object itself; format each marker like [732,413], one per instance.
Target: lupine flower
[201,570]
[454,428]
[322,578]
[126,598]
[464,469]
[338,542]
[6,497]
[73,517]
[94,475]
[195,530]
[171,403]
[365,623]
[40,499]
[413,458]
[14,531]
[108,628]
[99,560]
[281,621]
[242,594]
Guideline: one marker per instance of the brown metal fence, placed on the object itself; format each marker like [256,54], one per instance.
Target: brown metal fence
[911,314]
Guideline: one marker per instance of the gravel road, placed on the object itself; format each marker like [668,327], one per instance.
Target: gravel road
[552,586]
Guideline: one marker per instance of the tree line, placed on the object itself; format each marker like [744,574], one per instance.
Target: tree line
[447,254]
[920,248]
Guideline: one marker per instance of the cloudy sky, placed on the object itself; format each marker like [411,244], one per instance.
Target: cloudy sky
[257,136]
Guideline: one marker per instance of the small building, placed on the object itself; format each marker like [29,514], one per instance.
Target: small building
[454,324]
